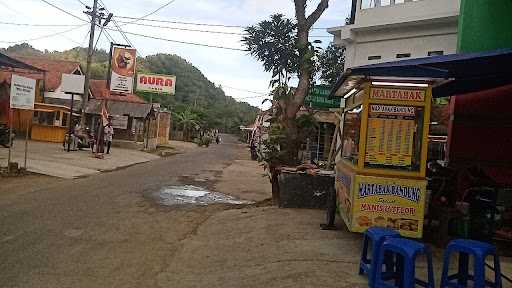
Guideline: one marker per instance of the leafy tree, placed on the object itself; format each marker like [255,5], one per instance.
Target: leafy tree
[331,63]
[282,53]
[187,120]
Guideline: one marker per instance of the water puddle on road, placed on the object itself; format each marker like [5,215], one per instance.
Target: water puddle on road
[188,194]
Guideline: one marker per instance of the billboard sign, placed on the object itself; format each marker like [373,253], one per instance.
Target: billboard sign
[165,84]
[23,92]
[122,64]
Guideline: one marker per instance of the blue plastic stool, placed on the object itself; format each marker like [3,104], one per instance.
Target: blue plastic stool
[480,251]
[377,235]
[405,251]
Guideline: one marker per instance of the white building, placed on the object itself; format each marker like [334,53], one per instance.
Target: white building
[390,30]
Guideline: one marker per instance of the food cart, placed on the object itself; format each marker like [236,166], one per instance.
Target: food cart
[380,172]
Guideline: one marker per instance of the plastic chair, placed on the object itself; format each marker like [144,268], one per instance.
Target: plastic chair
[405,251]
[480,251]
[377,235]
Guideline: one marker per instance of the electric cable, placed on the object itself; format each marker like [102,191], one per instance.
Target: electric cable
[64,11]
[44,36]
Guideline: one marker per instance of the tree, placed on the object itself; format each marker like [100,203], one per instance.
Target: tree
[331,63]
[187,120]
[284,54]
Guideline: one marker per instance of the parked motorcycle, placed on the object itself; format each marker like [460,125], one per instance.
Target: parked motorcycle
[5,141]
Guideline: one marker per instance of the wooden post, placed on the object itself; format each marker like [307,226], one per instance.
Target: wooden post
[333,144]
[10,140]
[26,144]
[70,120]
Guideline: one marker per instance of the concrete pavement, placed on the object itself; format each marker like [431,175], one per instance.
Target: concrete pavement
[52,160]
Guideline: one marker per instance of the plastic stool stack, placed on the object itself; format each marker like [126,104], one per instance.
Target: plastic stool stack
[479,250]
[377,236]
[405,251]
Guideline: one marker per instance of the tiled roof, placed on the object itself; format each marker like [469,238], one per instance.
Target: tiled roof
[100,91]
[54,67]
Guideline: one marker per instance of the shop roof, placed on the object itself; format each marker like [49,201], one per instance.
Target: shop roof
[137,110]
[100,91]
[9,62]
[54,69]
[450,74]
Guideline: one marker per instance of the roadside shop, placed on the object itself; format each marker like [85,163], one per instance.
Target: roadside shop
[383,177]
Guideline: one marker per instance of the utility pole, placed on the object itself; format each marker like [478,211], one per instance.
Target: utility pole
[90,51]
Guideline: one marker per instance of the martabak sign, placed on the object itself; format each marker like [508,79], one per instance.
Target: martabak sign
[164,84]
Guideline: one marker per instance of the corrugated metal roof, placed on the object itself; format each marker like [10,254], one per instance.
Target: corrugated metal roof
[137,110]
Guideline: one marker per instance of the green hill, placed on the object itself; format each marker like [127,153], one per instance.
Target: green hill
[193,90]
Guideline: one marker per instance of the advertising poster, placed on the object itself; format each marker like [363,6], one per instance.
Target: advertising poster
[162,84]
[390,136]
[387,202]
[123,69]
[344,180]
[23,92]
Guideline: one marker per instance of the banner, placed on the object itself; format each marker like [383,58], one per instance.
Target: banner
[122,69]
[23,92]
[164,84]
[387,202]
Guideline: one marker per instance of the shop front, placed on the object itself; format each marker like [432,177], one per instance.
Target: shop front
[380,173]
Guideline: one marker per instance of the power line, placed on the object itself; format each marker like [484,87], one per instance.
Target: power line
[153,12]
[239,89]
[201,31]
[64,11]
[45,36]
[183,29]
[195,23]
[181,42]
[40,25]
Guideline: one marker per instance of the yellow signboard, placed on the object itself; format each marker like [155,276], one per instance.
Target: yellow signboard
[417,95]
[389,202]
[389,139]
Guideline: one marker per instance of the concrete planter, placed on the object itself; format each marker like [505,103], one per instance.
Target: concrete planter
[301,190]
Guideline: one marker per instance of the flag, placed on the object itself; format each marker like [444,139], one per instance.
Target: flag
[104,113]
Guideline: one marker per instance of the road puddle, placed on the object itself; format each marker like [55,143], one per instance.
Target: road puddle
[192,195]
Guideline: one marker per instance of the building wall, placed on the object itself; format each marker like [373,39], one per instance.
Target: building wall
[409,11]
[412,27]
[485,25]
[419,46]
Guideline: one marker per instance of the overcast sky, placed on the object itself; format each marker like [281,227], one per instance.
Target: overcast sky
[223,67]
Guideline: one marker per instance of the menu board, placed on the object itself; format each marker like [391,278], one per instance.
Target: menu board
[390,135]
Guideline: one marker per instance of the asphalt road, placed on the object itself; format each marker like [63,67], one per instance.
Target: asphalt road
[105,230]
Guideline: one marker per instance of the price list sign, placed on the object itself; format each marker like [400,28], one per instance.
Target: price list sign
[390,135]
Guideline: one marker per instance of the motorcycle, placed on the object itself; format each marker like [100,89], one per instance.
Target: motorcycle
[5,140]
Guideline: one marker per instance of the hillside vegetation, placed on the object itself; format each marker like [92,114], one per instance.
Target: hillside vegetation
[194,92]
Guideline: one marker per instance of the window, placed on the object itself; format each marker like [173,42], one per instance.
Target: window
[374,57]
[351,131]
[403,55]
[435,53]
[65,117]
[44,118]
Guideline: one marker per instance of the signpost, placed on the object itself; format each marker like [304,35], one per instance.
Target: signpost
[23,95]
[72,84]
[318,98]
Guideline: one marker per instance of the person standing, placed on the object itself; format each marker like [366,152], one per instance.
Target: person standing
[109,134]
